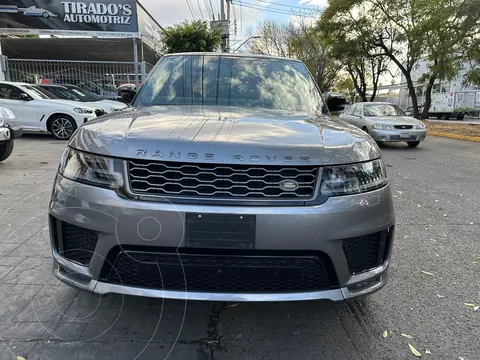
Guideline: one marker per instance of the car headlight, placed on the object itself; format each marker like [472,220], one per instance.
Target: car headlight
[90,169]
[115,109]
[353,179]
[83,111]
[420,126]
[2,122]
[382,127]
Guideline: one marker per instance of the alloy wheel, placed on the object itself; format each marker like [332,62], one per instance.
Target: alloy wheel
[62,128]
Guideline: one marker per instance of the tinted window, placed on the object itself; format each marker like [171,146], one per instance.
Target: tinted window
[382,110]
[60,93]
[231,81]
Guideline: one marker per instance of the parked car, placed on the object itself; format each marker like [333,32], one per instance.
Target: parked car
[385,123]
[7,133]
[226,186]
[36,111]
[74,93]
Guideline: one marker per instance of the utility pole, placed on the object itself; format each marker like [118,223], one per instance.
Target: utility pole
[225,25]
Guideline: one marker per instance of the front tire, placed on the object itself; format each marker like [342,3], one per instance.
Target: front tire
[45,14]
[6,149]
[413,144]
[62,127]
[460,117]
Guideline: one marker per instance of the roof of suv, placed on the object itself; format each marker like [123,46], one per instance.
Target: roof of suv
[244,55]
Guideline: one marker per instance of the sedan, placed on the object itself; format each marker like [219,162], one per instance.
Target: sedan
[385,123]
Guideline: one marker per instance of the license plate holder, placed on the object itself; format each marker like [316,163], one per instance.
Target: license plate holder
[405,136]
[223,231]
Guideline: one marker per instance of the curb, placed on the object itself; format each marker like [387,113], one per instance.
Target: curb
[454,136]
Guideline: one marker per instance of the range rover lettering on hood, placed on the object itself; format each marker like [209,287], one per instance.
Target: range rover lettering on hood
[236,157]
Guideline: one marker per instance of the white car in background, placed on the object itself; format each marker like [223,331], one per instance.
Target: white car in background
[75,93]
[37,112]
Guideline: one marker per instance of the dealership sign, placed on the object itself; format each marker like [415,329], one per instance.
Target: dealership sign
[100,18]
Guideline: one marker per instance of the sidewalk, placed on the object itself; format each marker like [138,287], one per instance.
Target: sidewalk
[475,121]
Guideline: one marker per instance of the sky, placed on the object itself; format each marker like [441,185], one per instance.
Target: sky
[247,13]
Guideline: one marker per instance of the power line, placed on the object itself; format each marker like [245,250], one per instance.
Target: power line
[273,10]
[191,9]
[288,6]
[211,7]
[200,9]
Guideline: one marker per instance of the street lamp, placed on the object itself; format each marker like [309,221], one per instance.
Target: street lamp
[250,38]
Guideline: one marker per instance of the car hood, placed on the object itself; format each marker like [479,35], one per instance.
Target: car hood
[70,103]
[401,120]
[225,135]
[107,105]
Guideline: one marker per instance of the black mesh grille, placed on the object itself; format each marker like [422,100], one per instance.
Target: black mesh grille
[99,112]
[403,126]
[78,244]
[220,273]
[365,252]
[222,181]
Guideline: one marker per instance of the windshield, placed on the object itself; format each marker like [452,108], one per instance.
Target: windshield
[62,93]
[81,94]
[231,81]
[382,110]
[38,91]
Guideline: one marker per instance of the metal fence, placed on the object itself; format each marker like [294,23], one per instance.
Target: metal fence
[99,77]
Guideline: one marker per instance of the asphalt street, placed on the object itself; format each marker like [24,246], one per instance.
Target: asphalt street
[433,275]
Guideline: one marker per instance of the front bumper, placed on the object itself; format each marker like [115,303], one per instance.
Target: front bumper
[398,135]
[320,228]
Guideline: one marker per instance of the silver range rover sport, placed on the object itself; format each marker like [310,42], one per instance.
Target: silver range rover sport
[226,180]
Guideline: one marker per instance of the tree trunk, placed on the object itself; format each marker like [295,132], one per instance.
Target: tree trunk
[428,95]
[413,94]
[374,93]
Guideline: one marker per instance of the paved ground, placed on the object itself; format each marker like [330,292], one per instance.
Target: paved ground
[438,225]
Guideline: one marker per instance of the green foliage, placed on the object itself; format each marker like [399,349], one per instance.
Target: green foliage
[191,36]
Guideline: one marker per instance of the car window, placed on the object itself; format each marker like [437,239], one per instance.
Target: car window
[351,109]
[231,81]
[61,93]
[10,92]
[358,111]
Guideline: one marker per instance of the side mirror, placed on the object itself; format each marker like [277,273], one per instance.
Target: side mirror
[335,103]
[24,97]
[127,93]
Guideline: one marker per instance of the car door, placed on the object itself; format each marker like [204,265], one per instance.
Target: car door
[347,115]
[357,116]
[24,107]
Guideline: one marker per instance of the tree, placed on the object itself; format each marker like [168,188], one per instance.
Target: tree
[344,85]
[391,26]
[441,32]
[191,37]
[275,39]
[360,61]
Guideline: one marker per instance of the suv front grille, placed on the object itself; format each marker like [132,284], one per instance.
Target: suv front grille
[221,181]
[220,273]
